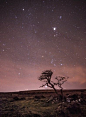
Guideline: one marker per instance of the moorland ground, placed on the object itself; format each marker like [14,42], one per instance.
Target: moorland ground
[43,103]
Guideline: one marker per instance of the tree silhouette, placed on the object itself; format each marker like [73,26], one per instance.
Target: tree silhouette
[46,77]
[60,81]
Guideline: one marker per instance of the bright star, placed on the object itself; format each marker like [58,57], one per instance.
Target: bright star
[54,28]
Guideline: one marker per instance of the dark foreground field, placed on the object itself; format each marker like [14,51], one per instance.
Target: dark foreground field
[43,103]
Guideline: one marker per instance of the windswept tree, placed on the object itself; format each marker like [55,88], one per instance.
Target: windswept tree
[46,78]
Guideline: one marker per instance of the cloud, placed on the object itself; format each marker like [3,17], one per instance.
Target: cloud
[75,74]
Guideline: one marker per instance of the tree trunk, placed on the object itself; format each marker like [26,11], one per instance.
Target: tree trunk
[54,89]
[62,93]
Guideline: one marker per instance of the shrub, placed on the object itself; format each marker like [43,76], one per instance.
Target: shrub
[22,98]
[74,108]
[16,98]
[37,97]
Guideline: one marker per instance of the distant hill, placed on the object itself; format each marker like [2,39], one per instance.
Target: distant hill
[40,92]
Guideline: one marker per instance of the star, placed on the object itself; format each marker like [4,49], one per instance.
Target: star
[54,65]
[4,44]
[51,61]
[61,64]
[23,9]
[60,17]
[42,56]
[54,28]
[19,73]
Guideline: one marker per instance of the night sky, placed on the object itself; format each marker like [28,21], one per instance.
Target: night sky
[38,35]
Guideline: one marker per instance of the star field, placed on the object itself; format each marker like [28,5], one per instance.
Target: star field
[38,35]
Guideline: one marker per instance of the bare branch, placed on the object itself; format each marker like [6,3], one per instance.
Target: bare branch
[43,85]
[49,85]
